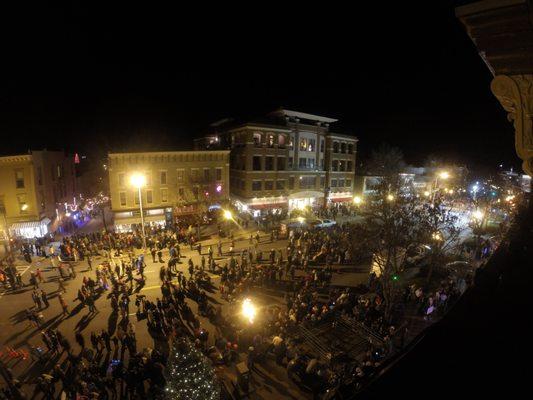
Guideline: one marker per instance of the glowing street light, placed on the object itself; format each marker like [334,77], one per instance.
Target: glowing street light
[478,214]
[390,197]
[228,215]
[138,180]
[426,193]
[248,310]
[357,200]
[444,175]
[437,236]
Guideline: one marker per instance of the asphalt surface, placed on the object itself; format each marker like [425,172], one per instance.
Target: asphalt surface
[17,333]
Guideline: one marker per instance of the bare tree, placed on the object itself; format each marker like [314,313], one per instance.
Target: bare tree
[438,227]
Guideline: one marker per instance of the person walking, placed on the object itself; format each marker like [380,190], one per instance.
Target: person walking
[44,298]
[36,299]
[63,303]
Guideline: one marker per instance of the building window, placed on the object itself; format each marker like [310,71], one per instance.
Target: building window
[322,145]
[343,147]
[311,145]
[256,186]
[163,177]
[179,175]
[181,192]
[335,165]
[256,163]
[149,197]
[195,192]
[291,143]
[270,140]
[257,139]
[348,183]
[311,163]
[243,184]
[334,183]
[23,205]
[303,144]
[302,162]
[59,171]
[206,174]
[290,162]
[341,183]
[281,163]
[280,185]
[291,182]
[322,181]
[121,179]
[307,182]
[148,178]
[281,141]
[136,197]
[269,163]
[348,166]
[19,179]
[194,174]
[350,149]
[218,172]
[342,165]
[335,147]
[269,185]
[122,198]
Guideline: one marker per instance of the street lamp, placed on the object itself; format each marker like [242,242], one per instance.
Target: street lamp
[138,181]
[390,197]
[228,215]
[248,310]
[357,200]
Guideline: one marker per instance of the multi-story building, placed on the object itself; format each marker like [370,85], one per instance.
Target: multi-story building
[33,187]
[289,160]
[177,183]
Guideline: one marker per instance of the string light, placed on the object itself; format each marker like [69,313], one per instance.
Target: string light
[190,375]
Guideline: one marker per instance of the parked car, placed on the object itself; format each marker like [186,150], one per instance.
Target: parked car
[323,223]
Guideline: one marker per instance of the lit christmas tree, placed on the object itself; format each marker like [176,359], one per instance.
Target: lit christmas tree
[190,375]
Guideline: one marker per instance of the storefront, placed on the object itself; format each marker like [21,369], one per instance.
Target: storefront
[340,197]
[31,229]
[305,199]
[124,221]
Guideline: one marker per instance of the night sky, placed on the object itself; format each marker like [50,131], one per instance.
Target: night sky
[91,80]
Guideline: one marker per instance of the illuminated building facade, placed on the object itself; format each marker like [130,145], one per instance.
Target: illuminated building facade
[177,183]
[33,188]
[288,160]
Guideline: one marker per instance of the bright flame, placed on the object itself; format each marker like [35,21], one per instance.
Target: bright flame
[248,310]
[357,200]
[138,180]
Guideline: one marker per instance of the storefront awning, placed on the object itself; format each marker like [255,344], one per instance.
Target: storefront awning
[137,220]
[29,224]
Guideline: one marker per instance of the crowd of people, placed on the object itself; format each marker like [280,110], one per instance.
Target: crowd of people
[301,272]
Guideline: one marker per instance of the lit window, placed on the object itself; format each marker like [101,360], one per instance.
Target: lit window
[122,196]
[19,179]
[163,177]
